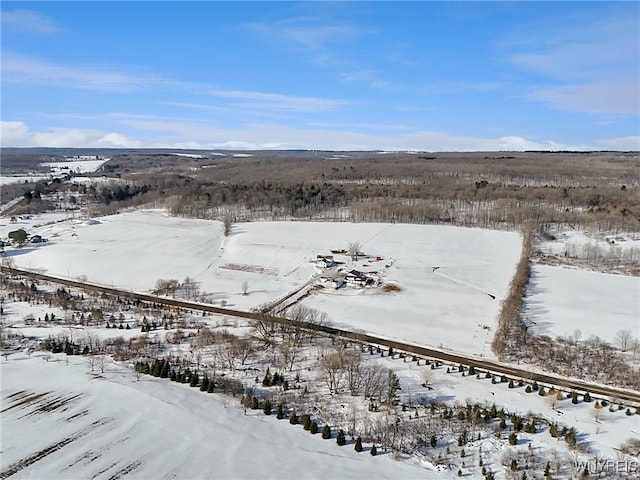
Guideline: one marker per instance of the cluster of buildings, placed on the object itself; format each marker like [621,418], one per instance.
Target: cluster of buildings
[337,277]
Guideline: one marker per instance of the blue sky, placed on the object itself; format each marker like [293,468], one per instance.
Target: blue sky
[322,75]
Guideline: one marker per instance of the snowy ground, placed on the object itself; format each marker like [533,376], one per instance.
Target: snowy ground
[110,426]
[451,306]
[562,300]
[75,166]
[7,180]
[163,426]
[578,243]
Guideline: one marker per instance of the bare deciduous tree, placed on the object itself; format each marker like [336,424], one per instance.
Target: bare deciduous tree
[227,224]
[374,378]
[101,362]
[190,287]
[263,332]
[624,339]
[244,349]
[245,287]
[354,250]
[332,368]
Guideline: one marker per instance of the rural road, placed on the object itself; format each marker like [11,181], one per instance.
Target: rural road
[494,367]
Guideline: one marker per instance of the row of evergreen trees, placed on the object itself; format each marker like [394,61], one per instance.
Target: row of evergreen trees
[162,368]
[255,403]
[64,346]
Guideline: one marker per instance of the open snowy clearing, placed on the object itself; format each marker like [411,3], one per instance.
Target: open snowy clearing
[75,166]
[562,300]
[8,180]
[108,425]
[454,305]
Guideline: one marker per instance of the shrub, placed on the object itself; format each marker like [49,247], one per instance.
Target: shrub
[313,428]
[267,407]
[340,438]
[293,419]
[358,447]
[306,421]
[326,432]
[374,451]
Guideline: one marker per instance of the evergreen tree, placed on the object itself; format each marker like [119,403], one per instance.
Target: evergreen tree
[340,438]
[547,470]
[514,465]
[174,376]
[374,451]
[157,368]
[194,380]
[211,386]
[358,446]
[164,370]
[267,407]
[574,397]
[513,438]
[306,421]
[266,381]
[587,397]
[326,432]
[433,441]
[511,384]
[293,419]
[204,386]
[280,413]
[313,428]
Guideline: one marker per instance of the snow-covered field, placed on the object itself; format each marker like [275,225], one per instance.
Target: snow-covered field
[562,300]
[8,180]
[451,306]
[111,426]
[75,166]
[103,425]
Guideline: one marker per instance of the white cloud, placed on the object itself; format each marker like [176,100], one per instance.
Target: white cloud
[28,21]
[593,67]
[625,144]
[278,101]
[603,97]
[21,69]
[17,134]
[190,134]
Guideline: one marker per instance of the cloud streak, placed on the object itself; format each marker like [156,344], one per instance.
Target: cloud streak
[19,69]
[27,21]
[593,69]
[171,133]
